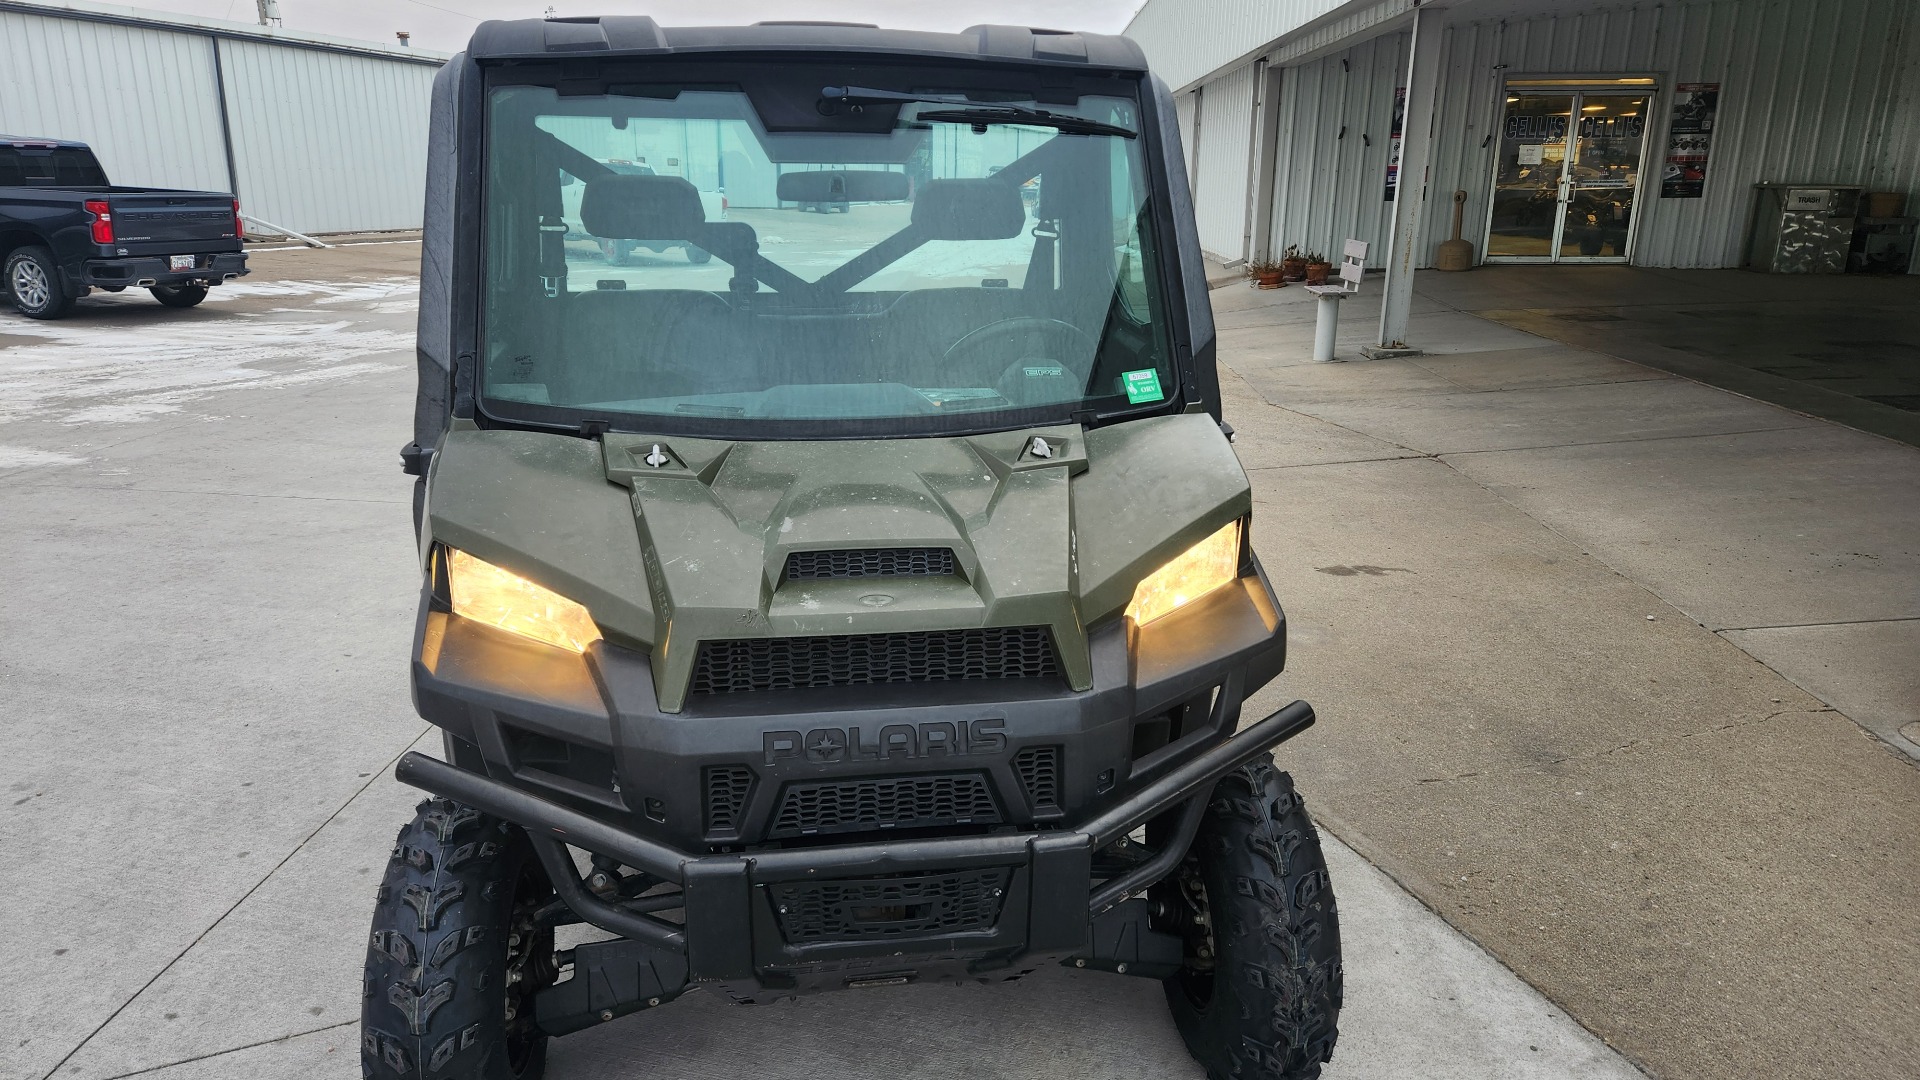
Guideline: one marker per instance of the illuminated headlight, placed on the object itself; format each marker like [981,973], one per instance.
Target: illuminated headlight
[500,598]
[1199,570]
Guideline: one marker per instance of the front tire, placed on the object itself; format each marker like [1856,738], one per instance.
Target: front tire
[179,296]
[1259,997]
[33,283]
[698,256]
[455,957]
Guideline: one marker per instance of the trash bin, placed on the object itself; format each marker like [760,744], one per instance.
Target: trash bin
[1802,228]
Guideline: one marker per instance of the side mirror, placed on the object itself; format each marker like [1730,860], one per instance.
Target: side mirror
[843,186]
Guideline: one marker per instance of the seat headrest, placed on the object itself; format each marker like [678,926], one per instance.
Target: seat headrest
[621,207]
[983,209]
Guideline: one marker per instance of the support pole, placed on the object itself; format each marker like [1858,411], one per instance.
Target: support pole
[1326,324]
[286,232]
[1409,195]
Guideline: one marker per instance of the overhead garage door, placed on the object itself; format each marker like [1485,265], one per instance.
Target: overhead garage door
[1220,187]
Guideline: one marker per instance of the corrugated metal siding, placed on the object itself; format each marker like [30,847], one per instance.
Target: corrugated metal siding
[1811,90]
[1898,165]
[1220,192]
[327,142]
[1185,40]
[1330,169]
[324,140]
[144,99]
[1801,99]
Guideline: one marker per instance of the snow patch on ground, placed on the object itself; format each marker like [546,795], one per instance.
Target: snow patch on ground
[80,373]
[21,457]
[326,292]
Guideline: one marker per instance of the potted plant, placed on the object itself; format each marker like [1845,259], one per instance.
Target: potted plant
[1293,267]
[1266,274]
[1317,268]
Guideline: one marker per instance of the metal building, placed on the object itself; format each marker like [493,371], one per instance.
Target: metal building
[1625,131]
[315,134]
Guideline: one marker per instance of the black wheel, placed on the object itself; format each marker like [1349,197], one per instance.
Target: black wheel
[182,296]
[1259,996]
[456,956]
[698,256]
[33,283]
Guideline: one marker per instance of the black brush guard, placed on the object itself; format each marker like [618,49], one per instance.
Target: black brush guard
[731,934]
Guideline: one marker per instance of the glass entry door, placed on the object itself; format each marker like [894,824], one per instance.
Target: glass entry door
[1567,175]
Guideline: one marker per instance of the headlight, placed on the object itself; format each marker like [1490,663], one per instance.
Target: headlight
[500,598]
[1199,570]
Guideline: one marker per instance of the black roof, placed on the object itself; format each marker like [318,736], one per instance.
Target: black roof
[628,35]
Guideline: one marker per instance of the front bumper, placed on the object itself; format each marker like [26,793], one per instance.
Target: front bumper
[144,271]
[1035,895]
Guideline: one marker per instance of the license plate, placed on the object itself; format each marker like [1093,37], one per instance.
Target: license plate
[179,262]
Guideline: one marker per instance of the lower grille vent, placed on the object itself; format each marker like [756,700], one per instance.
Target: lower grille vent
[851,910]
[836,806]
[727,788]
[870,562]
[788,663]
[1039,769]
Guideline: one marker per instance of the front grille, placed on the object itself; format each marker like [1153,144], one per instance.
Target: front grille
[1039,769]
[995,652]
[833,806]
[851,910]
[870,562]
[727,788]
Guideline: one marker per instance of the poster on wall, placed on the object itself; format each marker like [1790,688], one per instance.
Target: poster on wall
[1393,139]
[1688,139]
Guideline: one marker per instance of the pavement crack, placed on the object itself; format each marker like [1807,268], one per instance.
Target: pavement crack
[235,906]
[1807,625]
[1631,744]
[233,1050]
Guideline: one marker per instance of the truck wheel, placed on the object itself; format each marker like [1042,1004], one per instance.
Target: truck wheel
[698,256]
[33,282]
[180,296]
[455,956]
[1259,995]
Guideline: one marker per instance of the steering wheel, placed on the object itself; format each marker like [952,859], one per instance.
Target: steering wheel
[1025,337]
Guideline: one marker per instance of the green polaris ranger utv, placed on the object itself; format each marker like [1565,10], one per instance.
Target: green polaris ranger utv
[870,604]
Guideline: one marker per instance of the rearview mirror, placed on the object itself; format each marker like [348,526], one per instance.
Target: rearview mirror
[843,185]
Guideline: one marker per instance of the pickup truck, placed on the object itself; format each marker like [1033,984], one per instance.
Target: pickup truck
[64,231]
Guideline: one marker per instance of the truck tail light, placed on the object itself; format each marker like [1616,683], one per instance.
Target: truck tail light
[239,230]
[102,223]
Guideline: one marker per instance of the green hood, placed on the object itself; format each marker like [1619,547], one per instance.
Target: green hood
[695,547]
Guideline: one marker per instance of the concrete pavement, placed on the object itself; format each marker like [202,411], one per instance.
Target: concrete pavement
[1596,645]
[209,591]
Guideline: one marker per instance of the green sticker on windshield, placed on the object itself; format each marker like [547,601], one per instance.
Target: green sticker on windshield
[1142,386]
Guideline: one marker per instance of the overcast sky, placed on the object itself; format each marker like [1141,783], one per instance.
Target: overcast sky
[445,24]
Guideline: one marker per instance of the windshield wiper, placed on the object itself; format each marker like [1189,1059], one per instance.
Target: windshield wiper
[979,114]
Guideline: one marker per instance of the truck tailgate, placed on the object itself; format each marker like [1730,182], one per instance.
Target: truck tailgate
[171,220]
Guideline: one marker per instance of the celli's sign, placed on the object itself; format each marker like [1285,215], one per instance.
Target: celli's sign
[1551,127]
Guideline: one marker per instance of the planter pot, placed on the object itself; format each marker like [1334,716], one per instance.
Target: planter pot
[1317,273]
[1293,269]
[1268,281]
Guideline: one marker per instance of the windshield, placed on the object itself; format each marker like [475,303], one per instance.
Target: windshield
[741,260]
